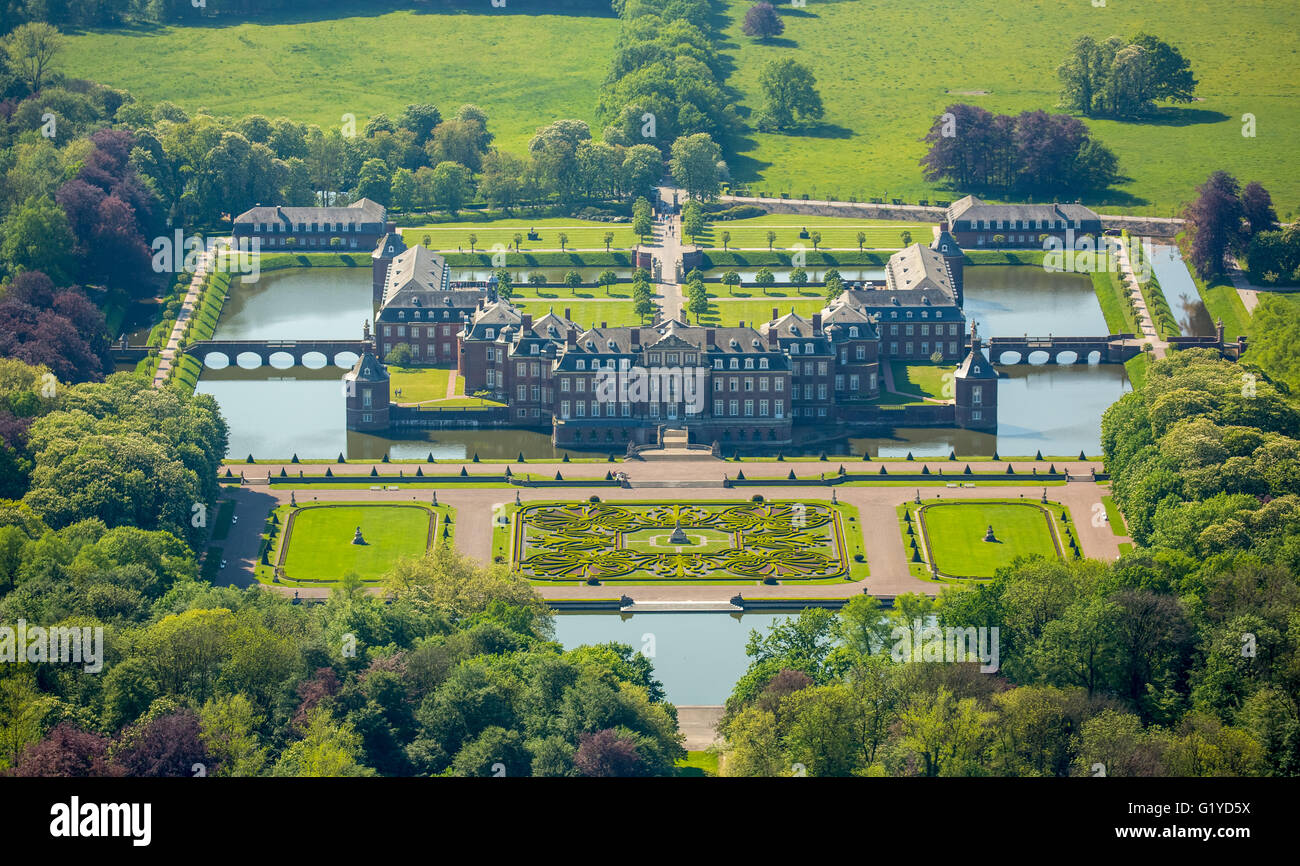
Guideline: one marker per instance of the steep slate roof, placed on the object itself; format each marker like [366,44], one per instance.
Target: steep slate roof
[921,269]
[366,369]
[975,365]
[838,318]
[416,270]
[972,208]
[795,328]
[363,211]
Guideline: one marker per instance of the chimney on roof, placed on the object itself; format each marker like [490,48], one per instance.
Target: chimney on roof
[817,323]
[571,337]
[741,324]
[943,226]
[603,326]
[710,337]
[773,341]
[568,314]
[526,322]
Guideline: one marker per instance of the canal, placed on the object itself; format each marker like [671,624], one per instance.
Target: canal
[277,413]
[697,656]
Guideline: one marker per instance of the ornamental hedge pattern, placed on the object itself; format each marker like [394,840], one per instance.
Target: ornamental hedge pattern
[769,540]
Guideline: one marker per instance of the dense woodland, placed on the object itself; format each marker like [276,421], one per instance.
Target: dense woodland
[1180,659]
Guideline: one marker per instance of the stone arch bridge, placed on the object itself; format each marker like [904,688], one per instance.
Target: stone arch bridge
[1112,349]
[273,353]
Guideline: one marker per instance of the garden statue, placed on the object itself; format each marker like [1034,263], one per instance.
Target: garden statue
[678,536]
[989,536]
[357,539]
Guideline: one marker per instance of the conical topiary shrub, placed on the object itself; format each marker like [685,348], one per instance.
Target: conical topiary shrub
[340,458]
[509,474]
[925,470]
[463,473]
[384,459]
[419,472]
[740,474]
[823,456]
[374,471]
[609,476]
[1083,456]
[250,459]
[909,456]
[1010,470]
[780,457]
[952,455]
[329,473]
[1051,470]
[995,454]
[790,477]
[558,476]
[475,460]
[565,458]
[520,458]
[967,471]
[294,458]
[283,474]
[429,459]
[1038,455]
[883,470]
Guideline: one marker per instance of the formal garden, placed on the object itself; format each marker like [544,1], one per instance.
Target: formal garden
[319,543]
[972,538]
[713,542]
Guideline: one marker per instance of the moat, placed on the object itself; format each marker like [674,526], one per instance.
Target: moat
[279,412]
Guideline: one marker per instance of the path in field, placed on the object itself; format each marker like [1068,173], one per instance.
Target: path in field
[167,357]
[1145,322]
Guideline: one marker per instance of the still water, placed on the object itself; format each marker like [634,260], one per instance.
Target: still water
[697,656]
[1180,291]
[277,413]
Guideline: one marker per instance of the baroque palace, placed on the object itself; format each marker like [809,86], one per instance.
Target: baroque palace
[605,388]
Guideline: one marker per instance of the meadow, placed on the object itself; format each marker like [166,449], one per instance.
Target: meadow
[321,548]
[886,70]
[523,70]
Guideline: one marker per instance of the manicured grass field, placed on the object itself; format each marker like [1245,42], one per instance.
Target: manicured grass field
[581,234]
[836,232]
[956,535]
[1223,302]
[1110,297]
[1114,516]
[926,380]
[886,70]
[419,384]
[523,70]
[585,313]
[755,312]
[321,548]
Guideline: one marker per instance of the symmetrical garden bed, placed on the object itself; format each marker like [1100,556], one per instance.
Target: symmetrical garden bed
[311,544]
[725,541]
[946,540]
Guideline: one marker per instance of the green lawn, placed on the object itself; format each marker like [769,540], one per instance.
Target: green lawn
[321,548]
[419,384]
[836,232]
[956,535]
[926,380]
[723,311]
[523,70]
[581,234]
[1114,516]
[1223,302]
[886,70]
[1110,296]
[586,314]
[697,764]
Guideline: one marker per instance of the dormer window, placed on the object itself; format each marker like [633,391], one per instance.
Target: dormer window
[717,363]
[853,332]
[735,364]
[581,364]
[749,363]
[762,363]
[893,314]
[807,348]
[794,348]
[490,333]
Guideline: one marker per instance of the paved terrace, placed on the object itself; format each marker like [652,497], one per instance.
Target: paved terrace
[884,546]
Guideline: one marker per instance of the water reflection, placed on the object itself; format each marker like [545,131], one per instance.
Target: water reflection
[1180,290]
[697,656]
[1015,300]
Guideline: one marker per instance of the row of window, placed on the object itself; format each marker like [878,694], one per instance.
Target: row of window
[806,392]
[1009,225]
[308,242]
[339,228]
[925,330]
[925,348]
[719,384]
[415,331]
[925,314]
[448,350]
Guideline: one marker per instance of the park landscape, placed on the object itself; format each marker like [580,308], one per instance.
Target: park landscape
[1123,550]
